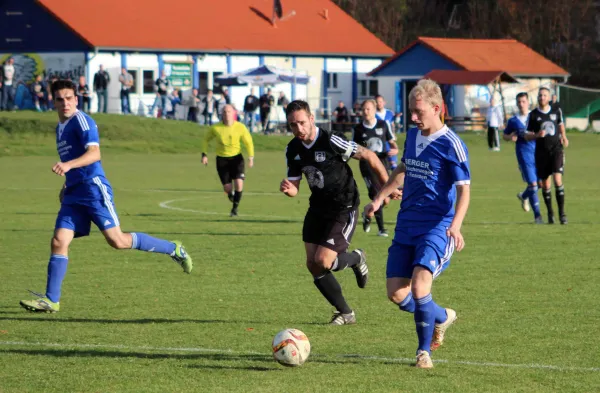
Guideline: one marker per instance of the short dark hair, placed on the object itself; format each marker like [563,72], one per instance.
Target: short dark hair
[297,105]
[62,84]
[522,94]
[545,88]
[377,96]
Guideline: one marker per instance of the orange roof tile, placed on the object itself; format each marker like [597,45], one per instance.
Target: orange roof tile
[224,26]
[452,77]
[508,55]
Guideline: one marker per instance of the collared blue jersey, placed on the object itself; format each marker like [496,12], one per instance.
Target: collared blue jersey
[434,165]
[518,124]
[73,137]
[385,115]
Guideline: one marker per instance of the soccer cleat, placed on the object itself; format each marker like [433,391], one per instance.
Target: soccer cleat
[366,223]
[234,212]
[563,219]
[182,257]
[361,271]
[550,219]
[423,360]
[41,304]
[383,233]
[343,319]
[440,329]
[539,220]
[524,202]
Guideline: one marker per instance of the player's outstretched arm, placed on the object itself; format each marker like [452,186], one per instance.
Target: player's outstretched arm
[390,188]
[373,161]
[289,187]
[91,155]
[463,198]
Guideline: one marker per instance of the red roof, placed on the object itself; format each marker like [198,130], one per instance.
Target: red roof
[318,27]
[448,77]
[510,56]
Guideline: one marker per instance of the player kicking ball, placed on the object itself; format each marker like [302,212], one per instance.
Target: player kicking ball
[322,156]
[86,197]
[435,169]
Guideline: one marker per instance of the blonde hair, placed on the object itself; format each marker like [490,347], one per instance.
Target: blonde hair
[428,91]
[370,101]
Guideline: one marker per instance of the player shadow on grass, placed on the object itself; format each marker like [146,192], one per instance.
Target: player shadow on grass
[218,357]
[141,321]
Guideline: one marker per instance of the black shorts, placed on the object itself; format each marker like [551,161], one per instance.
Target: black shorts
[331,231]
[230,168]
[549,162]
[371,180]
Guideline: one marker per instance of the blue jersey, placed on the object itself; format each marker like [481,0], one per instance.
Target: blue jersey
[73,137]
[434,165]
[518,125]
[385,115]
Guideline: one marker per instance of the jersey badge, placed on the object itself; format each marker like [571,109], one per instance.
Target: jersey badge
[553,117]
[320,156]
[379,131]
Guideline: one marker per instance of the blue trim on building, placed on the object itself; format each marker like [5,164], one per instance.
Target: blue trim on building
[261,61]
[161,63]
[399,98]
[293,85]
[124,60]
[325,82]
[229,64]
[195,76]
[354,81]
[417,61]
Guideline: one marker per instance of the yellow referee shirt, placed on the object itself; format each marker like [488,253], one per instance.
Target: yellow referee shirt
[229,139]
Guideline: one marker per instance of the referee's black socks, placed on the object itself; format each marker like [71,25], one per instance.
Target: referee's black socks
[560,199]
[237,197]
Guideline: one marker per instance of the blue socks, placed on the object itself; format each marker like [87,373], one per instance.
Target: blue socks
[57,268]
[531,194]
[408,304]
[144,242]
[427,314]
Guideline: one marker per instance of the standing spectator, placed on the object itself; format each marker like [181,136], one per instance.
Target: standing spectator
[250,106]
[282,100]
[83,95]
[126,80]
[226,97]
[101,81]
[494,121]
[356,112]
[49,82]
[554,104]
[266,101]
[175,99]
[341,116]
[39,93]
[221,105]
[210,105]
[162,86]
[7,98]
[193,102]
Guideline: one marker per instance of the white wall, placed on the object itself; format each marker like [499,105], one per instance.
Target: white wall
[112,64]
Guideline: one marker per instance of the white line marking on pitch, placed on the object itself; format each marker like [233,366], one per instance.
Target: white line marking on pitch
[167,205]
[361,357]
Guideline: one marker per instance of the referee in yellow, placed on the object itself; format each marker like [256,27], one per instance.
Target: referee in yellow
[230,163]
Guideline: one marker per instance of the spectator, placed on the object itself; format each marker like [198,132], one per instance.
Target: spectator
[210,106]
[101,82]
[225,97]
[193,103]
[282,100]
[39,93]
[175,99]
[221,105]
[49,82]
[162,86]
[83,95]
[356,112]
[398,122]
[266,101]
[7,98]
[341,117]
[250,106]
[126,80]
[495,119]
[554,104]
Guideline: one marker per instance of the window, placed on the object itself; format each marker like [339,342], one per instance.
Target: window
[332,80]
[134,74]
[203,82]
[362,88]
[373,88]
[148,83]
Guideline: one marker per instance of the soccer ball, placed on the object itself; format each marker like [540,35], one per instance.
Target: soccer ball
[291,347]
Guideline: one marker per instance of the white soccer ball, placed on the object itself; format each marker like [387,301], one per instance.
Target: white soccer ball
[291,347]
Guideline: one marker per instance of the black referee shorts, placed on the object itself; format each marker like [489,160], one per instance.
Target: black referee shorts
[330,231]
[230,168]
[371,180]
[549,162]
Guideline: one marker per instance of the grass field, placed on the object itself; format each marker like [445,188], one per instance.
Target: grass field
[527,296]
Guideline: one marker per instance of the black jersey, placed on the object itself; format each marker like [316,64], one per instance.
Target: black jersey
[324,165]
[374,138]
[548,122]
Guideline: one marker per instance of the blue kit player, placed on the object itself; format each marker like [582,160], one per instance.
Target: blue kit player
[515,131]
[387,116]
[436,176]
[86,197]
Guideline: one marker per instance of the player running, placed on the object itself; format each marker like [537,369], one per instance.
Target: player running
[86,197]
[546,127]
[230,134]
[515,131]
[387,116]
[374,134]
[435,168]
[322,156]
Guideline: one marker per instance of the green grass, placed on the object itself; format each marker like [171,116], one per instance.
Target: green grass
[527,296]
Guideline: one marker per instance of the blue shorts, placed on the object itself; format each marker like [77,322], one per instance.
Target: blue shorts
[78,217]
[431,250]
[526,162]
